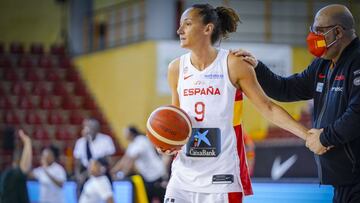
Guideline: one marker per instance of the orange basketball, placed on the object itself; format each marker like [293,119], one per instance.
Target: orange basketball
[168,128]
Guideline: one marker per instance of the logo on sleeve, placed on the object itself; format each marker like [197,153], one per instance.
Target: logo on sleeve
[319,86]
[356,81]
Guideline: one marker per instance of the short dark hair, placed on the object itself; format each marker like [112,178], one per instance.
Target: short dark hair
[54,150]
[134,131]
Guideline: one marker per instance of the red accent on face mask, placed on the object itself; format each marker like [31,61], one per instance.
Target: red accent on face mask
[316,44]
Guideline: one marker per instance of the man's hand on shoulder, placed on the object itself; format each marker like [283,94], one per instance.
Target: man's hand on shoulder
[246,56]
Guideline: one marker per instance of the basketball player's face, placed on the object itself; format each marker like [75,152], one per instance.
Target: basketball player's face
[191,28]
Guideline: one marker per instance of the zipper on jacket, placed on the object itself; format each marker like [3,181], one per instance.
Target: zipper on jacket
[327,81]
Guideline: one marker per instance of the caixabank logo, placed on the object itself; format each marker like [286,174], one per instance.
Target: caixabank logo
[204,142]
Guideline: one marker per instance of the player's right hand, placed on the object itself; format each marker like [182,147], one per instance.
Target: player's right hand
[166,152]
[24,137]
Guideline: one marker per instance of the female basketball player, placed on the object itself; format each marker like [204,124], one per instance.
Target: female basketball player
[208,84]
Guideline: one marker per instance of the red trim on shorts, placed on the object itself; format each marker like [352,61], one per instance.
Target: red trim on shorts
[244,170]
[235,197]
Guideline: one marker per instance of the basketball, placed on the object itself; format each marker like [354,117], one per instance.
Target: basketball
[168,128]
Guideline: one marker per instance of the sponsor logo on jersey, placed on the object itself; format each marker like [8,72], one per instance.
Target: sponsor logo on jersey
[199,82]
[204,142]
[169,200]
[201,91]
[340,77]
[187,77]
[214,76]
[337,89]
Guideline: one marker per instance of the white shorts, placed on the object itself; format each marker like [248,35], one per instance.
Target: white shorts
[174,195]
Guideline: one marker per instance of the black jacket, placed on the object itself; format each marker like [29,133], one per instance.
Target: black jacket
[336,94]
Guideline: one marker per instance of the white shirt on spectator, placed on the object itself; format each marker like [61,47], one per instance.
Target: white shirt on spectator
[96,190]
[147,161]
[101,146]
[49,191]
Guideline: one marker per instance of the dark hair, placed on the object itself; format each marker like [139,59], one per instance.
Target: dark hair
[225,20]
[104,162]
[134,131]
[54,150]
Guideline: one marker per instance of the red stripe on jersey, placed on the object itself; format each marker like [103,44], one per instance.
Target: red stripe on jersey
[235,197]
[238,95]
[244,170]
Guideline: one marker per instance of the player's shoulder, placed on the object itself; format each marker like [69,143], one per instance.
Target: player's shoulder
[238,64]
[174,64]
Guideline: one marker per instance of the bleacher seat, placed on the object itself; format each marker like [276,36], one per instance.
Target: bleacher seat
[55,118]
[17,48]
[47,102]
[32,75]
[37,49]
[5,62]
[72,76]
[59,89]
[19,88]
[10,75]
[5,103]
[33,118]
[26,102]
[45,61]
[41,88]
[41,133]
[52,75]
[89,103]
[62,133]
[65,62]
[25,62]
[80,89]
[76,118]
[71,102]
[11,118]
[57,49]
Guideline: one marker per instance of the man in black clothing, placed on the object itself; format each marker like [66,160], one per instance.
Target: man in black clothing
[13,180]
[333,81]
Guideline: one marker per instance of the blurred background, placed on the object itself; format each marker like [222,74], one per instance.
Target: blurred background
[62,61]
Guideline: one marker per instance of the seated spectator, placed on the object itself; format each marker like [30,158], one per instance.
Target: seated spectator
[141,154]
[92,145]
[98,188]
[51,176]
[13,180]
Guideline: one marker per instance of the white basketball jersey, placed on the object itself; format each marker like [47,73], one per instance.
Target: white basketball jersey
[213,161]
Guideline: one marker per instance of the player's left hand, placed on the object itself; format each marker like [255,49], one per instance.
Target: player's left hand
[247,56]
[313,142]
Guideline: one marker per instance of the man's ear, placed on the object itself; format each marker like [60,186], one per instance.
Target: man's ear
[209,28]
[339,32]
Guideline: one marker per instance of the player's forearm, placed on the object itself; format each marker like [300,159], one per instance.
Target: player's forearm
[54,180]
[281,118]
[26,157]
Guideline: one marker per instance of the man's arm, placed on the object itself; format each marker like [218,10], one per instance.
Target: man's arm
[26,156]
[299,86]
[125,164]
[57,182]
[243,77]
[286,89]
